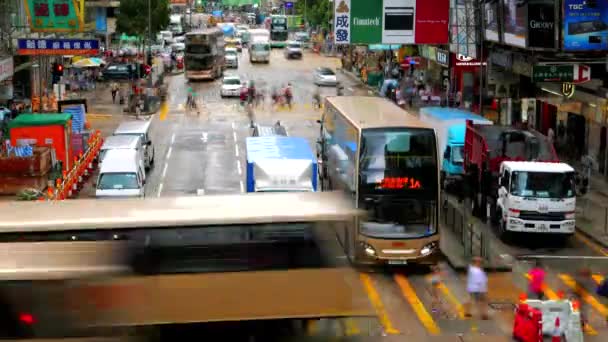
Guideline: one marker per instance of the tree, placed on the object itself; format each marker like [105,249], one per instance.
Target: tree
[133,17]
[318,12]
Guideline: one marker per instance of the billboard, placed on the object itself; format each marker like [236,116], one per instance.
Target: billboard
[57,47]
[391,22]
[515,25]
[463,40]
[492,20]
[542,24]
[585,25]
[54,15]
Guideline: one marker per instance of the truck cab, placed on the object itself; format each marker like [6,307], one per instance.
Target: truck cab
[535,197]
[452,163]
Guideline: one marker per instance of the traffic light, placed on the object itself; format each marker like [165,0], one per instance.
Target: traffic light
[57,72]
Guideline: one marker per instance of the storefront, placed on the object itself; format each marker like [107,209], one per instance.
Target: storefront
[436,74]
[465,80]
[6,79]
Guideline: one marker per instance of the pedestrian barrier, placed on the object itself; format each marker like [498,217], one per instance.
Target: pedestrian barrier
[557,317]
[73,180]
[474,241]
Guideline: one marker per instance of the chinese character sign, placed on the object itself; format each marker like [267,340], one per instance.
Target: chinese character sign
[54,15]
[342,22]
[58,47]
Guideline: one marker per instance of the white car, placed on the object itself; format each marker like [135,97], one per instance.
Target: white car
[231,86]
[232,58]
[325,77]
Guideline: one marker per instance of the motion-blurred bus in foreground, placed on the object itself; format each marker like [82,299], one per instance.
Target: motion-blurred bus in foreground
[386,161]
[204,57]
[263,257]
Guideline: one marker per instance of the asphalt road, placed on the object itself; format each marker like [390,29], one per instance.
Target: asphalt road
[203,154]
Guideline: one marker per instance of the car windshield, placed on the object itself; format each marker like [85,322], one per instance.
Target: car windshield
[457,156]
[294,45]
[542,184]
[261,47]
[279,21]
[199,63]
[201,49]
[231,53]
[232,81]
[118,181]
[118,67]
[326,72]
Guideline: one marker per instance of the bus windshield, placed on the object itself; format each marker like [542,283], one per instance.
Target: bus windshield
[201,63]
[200,49]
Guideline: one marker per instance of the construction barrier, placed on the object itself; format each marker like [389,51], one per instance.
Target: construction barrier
[559,318]
[72,181]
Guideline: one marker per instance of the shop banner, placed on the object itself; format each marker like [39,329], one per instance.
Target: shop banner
[391,21]
[6,68]
[54,15]
[443,58]
[58,47]
[585,25]
[542,26]
[462,41]
[553,73]
[492,20]
[514,26]
[101,20]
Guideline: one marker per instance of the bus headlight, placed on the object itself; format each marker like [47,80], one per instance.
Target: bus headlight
[428,248]
[369,250]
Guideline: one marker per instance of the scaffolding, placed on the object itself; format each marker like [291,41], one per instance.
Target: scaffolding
[465,25]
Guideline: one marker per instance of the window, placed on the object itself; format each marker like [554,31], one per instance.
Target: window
[199,49]
[261,47]
[232,81]
[457,154]
[118,181]
[326,71]
[542,184]
[400,219]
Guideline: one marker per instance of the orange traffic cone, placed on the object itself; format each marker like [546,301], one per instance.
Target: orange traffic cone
[557,336]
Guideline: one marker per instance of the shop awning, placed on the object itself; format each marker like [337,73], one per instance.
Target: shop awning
[29,120]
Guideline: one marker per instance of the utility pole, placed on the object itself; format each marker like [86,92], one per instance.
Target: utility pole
[480,6]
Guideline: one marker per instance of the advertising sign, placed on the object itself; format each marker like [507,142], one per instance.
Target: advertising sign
[57,47]
[585,25]
[443,58]
[492,20]
[553,73]
[542,27]
[101,20]
[391,22]
[514,26]
[463,39]
[54,15]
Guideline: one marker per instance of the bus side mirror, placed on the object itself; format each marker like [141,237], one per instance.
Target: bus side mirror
[446,154]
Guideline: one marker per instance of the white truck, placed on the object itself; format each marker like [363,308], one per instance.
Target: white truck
[259,46]
[535,197]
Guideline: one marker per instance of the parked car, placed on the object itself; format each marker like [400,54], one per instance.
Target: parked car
[231,86]
[119,71]
[293,50]
[325,77]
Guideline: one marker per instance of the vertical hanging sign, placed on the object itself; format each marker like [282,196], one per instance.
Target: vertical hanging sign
[54,15]
[342,22]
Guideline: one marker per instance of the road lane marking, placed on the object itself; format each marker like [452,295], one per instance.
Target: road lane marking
[451,298]
[160,189]
[164,171]
[238,166]
[164,110]
[200,192]
[571,283]
[234,136]
[236,150]
[374,298]
[172,138]
[204,137]
[591,244]
[242,186]
[597,278]
[550,294]
[233,126]
[169,152]
[350,327]
[410,295]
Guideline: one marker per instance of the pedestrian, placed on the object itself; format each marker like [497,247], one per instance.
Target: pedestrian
[536,281]
[435,283]
[114,90]
[288,95]
[477,287]
[550,135]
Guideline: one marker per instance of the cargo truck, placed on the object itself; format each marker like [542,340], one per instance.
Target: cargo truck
[450,127]
[280,164]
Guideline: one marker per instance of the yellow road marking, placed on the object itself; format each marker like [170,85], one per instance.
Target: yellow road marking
[374,297]
[164,109]
[350,327]
[451,298]
[591,244]
[588,329]
[99,116]
[597,278]
[419,309]
[571,283]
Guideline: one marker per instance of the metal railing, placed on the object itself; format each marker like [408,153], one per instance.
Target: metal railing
[472,238]
[592,216]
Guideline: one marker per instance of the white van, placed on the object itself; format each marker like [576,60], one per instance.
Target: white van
[120,175]
[123,142]
[140,129]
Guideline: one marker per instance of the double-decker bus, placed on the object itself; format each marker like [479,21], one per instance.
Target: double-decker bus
[278,31]
[386,161]
[204,57]
[154,265]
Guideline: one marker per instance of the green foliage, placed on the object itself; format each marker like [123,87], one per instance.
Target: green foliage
[318,12]
[133,17]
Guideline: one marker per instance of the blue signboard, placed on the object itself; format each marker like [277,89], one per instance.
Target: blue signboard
[585,25]
[58,47]
[101,20]
[288,4]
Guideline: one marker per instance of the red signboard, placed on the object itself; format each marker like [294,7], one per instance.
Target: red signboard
[432,18]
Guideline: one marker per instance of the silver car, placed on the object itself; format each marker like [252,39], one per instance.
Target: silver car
[325,77]
[232,58]
[293,50]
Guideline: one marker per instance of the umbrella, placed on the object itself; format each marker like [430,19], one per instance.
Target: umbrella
[88,63]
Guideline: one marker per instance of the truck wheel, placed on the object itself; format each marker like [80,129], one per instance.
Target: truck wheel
[503,233]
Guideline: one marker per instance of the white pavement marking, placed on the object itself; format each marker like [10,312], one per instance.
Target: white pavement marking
[169,153]
[164,171]
[242,186]
[233,126]
[172,138]
[204,137]
[238,166]
[234,136]
[200,192]
[160,189]
[236,150]
[349,89]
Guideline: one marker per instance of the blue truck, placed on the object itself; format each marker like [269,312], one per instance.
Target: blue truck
[450,127]
[280,164]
